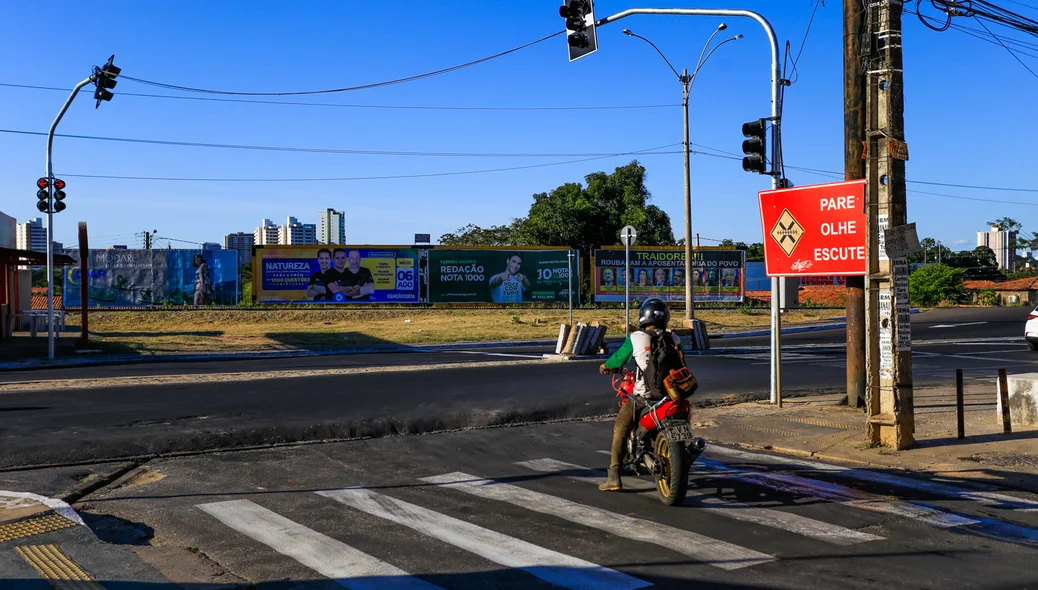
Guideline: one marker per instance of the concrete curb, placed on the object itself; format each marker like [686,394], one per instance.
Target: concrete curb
[218,356]
[807,454]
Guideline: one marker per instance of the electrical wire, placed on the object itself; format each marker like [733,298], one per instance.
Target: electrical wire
[803,42]
[347,88]
[1011,52]
[322,150]
[363,106]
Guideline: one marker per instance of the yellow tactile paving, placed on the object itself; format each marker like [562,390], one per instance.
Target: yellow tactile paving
[34,526]
[57,568]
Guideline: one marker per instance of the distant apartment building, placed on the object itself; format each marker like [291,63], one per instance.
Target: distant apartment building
[31,235]
[211,246]
[331,227]
[266,234]
[295,233]
[240,241]
[1001,242]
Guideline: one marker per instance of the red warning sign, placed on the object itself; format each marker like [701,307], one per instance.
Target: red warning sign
[814,230]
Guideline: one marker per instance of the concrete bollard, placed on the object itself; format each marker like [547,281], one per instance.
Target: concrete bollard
[1017,397]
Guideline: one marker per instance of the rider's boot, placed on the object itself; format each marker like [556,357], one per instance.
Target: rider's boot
[624,418]
[612,482]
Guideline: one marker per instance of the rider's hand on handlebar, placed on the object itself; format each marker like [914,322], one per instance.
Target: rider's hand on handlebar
[603,370]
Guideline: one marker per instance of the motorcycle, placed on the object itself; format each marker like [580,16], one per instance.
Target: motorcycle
[661,441]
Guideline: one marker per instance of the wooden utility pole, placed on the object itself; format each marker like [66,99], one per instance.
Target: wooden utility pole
[854,168]
[889,404]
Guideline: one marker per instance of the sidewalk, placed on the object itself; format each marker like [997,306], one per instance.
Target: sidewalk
[818,427]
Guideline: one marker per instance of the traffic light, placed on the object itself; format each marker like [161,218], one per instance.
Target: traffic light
[580,27]
[104,80]
[43,195]
[59,195]
[755,160]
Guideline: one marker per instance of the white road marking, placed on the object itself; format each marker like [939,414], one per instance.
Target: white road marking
[332,558]
[720,554]
[840,495]
[801,525]
[507,354]
[957,325]
[936,488]
[553,567]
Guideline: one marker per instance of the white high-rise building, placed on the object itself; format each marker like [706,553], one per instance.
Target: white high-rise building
[31,235]
[293,233]
[331,227]
[1001,243]
[266,234]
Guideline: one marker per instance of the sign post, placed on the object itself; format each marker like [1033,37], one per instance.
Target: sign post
[628,235]
[815,230]
[569,257]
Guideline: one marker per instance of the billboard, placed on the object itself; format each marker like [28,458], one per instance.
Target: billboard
[136,278]
[335,274]
[717,274]
[502,275]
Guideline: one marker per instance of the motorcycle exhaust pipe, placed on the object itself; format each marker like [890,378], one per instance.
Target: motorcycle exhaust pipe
[696,448]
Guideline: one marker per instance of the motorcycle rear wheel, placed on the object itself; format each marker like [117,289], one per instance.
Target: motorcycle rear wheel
[672,483]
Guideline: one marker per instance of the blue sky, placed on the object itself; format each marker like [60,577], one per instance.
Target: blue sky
[967,114]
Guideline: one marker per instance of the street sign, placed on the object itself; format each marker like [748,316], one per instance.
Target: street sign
[422,238]
[628,236]
[815,230]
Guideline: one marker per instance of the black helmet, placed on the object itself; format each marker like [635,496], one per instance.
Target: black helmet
[654,312]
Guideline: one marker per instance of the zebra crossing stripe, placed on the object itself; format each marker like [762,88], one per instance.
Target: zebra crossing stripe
[840,495]
[1000,500]
[711,551]
[550,566]
[801,525]
[331,558]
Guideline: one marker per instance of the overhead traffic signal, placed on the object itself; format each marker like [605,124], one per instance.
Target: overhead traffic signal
[104,80]
[753,147]
[43,195]
[580,27]
[59,195]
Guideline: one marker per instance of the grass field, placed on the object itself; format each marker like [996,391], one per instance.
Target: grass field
[238,330]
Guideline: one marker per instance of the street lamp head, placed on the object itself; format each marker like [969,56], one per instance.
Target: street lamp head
[737,37]
[628,32]
[722,27]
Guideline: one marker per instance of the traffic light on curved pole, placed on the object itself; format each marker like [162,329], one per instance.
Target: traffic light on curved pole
[754,147]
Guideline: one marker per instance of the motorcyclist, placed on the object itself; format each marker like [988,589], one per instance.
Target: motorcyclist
[652,316]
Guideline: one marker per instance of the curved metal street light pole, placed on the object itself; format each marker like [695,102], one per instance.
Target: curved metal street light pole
[686,85]
[776,149]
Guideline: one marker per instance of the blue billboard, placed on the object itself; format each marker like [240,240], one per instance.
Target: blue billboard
[141,278]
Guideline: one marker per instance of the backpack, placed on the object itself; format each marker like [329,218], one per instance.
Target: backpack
[666,373]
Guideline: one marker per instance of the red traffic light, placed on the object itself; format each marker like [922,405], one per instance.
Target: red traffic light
[59,184]
[42,183]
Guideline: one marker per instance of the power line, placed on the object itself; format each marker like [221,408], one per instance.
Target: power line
[364,106]
[650,151]
[320,150]
[804,41]
[1011,52]
[347,88]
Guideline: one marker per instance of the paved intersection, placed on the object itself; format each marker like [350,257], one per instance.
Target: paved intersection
[518,508]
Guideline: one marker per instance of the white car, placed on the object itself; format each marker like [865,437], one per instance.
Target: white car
[1031,329]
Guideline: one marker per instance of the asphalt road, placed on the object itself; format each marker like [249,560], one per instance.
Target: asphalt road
[519,508]
[101,413]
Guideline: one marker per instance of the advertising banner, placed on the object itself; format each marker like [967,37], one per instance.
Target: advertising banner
[335,274]
[140,278]
[815,230]
[717,274]
[488,275]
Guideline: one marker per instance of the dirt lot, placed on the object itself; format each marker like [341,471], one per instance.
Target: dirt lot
[290,329]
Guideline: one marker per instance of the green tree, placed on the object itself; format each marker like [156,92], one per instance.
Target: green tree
[936,283]
[587,218]
[1006,224]
[755,252]
[474,235]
